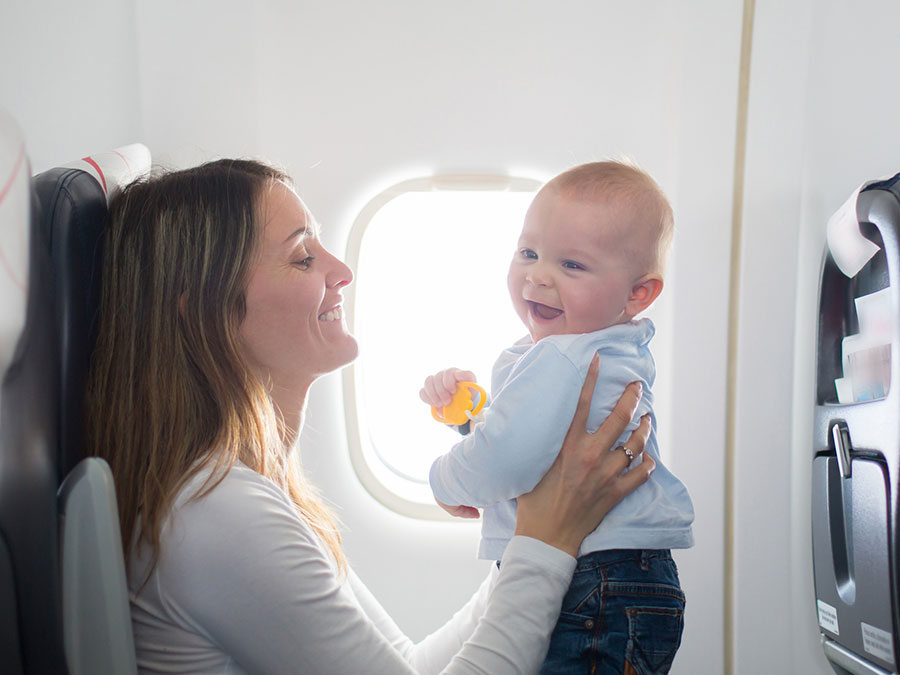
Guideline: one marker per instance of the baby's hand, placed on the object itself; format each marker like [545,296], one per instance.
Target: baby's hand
[440,387]
[459,511]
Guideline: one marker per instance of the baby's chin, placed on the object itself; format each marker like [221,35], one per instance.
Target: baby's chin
[540,332]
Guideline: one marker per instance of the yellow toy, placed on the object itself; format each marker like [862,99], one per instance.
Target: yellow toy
[461,409]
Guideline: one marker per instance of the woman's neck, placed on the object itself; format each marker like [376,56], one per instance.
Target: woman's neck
[290,404]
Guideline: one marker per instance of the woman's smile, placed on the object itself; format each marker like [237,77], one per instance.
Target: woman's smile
[334,314]
[294,328]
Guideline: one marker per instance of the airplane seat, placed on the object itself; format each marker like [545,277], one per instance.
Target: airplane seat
[74,200]
[63,596]
[96,618]
[30,608]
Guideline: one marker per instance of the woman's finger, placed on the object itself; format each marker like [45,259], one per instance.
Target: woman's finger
[639,437]
[579,421]
[578,427]
[621,416]
[633,479]
[633,448]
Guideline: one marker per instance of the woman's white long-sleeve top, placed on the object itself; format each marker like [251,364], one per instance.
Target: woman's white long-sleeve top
[243,585]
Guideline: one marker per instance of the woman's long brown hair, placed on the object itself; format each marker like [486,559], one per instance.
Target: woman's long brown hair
[169,393]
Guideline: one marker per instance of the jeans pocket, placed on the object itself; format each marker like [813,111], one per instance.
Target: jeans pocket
[654,635]
[583,597]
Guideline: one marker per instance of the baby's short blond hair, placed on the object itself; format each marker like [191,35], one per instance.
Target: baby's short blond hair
[626,186]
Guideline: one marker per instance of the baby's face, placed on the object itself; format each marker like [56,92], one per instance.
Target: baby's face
[570,272]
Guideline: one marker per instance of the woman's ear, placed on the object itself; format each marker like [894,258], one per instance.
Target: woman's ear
[643,293]
[181,301]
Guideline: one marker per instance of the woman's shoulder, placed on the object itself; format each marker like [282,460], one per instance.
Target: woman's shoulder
[230,490]
[235,482]
[234,557]
[240,508]
[221,534]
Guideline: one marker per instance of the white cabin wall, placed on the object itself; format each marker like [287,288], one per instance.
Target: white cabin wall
[68,75]
[769,626]
[822,120]
[703,158]
[201,69]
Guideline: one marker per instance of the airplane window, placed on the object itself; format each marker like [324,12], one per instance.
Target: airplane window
[430,258]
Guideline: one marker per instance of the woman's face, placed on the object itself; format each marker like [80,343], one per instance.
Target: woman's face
[293,330]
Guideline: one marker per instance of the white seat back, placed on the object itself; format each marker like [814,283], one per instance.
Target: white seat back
[96,617]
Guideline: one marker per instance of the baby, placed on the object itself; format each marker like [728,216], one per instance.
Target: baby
[590,258]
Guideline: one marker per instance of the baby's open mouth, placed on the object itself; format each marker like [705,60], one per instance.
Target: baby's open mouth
[544,312]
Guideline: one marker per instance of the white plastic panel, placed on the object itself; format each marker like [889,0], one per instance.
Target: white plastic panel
[15,196]
[96,615]
[115,169]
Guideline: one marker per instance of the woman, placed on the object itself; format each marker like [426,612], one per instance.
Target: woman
[220,308]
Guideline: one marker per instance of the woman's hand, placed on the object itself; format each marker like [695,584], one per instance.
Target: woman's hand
[586,481]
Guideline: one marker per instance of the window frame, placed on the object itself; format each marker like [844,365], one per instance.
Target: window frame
[349,377]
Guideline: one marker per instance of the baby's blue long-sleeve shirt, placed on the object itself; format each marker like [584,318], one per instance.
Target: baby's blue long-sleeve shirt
[534,392]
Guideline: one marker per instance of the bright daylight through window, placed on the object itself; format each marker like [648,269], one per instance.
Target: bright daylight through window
[430,258]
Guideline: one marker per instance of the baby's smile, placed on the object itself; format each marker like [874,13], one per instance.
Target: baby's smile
[544,312]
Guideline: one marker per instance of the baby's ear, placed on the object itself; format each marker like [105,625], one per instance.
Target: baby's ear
[643,293]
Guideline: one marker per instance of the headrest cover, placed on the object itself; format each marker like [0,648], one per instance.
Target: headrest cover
[15,204]
[115,169]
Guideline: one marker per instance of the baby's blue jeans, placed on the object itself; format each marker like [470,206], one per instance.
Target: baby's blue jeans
[623,613]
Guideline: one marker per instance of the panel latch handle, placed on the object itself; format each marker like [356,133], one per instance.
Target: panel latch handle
[842,447]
